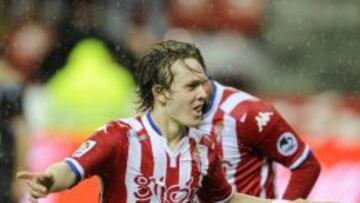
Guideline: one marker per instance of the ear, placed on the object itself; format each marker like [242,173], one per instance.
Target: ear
[159,94]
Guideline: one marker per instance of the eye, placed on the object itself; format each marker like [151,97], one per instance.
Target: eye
[192,85]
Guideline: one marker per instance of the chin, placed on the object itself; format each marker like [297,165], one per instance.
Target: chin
[194,123]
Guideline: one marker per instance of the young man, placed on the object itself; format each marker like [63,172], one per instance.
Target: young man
[155,157]
[251,137]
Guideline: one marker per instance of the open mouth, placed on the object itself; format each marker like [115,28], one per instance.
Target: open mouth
[198,110]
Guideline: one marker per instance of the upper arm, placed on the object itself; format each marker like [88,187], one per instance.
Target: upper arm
[266,131]
[96,154]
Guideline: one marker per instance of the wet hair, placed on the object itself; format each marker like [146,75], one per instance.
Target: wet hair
[153,68]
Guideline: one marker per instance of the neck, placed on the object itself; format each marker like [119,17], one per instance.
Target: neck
[170,129]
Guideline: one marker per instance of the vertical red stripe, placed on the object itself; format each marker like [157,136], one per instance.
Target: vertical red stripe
[216,129]
[172,173]
[269,186]
[195,166]
[118,186]
[147,158]
[122,171]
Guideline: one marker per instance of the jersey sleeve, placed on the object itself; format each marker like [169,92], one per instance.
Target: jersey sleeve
[214,186]
[96,154]
[268,133]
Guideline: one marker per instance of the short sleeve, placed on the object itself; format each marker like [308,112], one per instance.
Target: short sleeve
[96,154]
[268,133]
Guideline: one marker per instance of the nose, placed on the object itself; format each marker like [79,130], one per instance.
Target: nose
[202,93]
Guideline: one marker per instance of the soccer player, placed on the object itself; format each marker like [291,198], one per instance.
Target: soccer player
[155,157]
[251,136]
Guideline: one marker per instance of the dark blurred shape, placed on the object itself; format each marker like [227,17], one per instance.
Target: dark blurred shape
[10,107]
[79,24]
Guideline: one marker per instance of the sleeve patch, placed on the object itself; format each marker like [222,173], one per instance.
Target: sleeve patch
[287,144]
[84,148]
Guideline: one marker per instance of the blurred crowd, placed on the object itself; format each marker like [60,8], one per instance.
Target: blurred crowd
[69,64]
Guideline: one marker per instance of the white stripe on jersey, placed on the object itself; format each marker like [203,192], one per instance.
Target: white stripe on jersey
[135,124]
[235,99]
[264,173]
[78,167]
[231,144]
[204,159]
[186,167]
[301,159]
[204,152]
[133,165]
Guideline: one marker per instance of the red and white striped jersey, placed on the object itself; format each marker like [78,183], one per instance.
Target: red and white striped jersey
[250,136]
[135,164]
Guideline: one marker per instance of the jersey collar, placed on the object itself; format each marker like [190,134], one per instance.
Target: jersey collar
[212,98]
[152,124]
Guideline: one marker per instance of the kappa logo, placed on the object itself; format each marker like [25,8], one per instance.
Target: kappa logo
[262,119]
[287,144]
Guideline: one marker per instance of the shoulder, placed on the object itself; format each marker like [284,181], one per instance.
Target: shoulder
[115,130]
[249,111]
[113,127]
[239,102]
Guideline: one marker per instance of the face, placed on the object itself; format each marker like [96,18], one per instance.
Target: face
[187,94]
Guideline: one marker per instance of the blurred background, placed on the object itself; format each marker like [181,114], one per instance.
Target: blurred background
[66,67]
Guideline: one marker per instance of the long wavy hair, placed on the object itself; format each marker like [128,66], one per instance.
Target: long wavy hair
[153,68]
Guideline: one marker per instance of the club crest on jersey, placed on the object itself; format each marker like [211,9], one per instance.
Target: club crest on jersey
[142,137]
[84,148]
[262,119]
[287,144]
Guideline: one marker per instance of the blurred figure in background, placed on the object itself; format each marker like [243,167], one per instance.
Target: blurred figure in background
[26,43]
[251,137]
[34,51]
[252,134]
[11,141]
[80,21]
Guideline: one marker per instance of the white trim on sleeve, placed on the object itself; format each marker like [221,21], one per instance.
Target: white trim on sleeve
[301,159]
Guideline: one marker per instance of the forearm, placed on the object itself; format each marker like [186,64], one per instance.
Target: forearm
[243,198]
[302,179]
[64,178]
